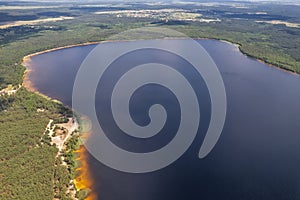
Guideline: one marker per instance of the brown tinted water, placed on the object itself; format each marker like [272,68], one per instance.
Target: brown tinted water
[257,156]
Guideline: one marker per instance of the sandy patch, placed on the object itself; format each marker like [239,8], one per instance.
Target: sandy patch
[33,22]
[288,24]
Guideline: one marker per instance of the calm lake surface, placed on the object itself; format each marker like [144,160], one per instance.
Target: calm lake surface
[257,156]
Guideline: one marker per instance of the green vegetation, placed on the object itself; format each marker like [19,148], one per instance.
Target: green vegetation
[62,181]
[26,165]
[82,194]
[28,168]
[61,120]
[69,154]
[275,44]
[63,174]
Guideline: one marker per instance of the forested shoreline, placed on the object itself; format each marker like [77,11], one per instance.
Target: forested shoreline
[28,167]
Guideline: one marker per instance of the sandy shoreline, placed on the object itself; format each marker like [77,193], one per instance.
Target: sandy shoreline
[26,63]
[26,59]
[85,180]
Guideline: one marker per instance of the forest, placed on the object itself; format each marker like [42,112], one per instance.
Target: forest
[28,168]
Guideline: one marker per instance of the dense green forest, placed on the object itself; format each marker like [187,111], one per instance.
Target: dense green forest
[28,168]
[26,165]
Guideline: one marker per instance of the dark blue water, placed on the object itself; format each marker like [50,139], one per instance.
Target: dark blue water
[257,156]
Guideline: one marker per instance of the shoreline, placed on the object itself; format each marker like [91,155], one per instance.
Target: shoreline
[84,180]
[237,45]
[259,60]
[25,62]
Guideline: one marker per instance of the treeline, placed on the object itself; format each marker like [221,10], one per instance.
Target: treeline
[275,44]
[28,168]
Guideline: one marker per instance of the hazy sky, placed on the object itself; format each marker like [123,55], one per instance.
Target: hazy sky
[111,1]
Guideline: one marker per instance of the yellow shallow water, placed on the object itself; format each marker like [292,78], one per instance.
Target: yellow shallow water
[84,180]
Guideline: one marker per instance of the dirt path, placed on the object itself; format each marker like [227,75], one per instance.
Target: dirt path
[61,139]
[10,90]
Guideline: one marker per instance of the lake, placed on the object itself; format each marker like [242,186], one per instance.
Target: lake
[256,157]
